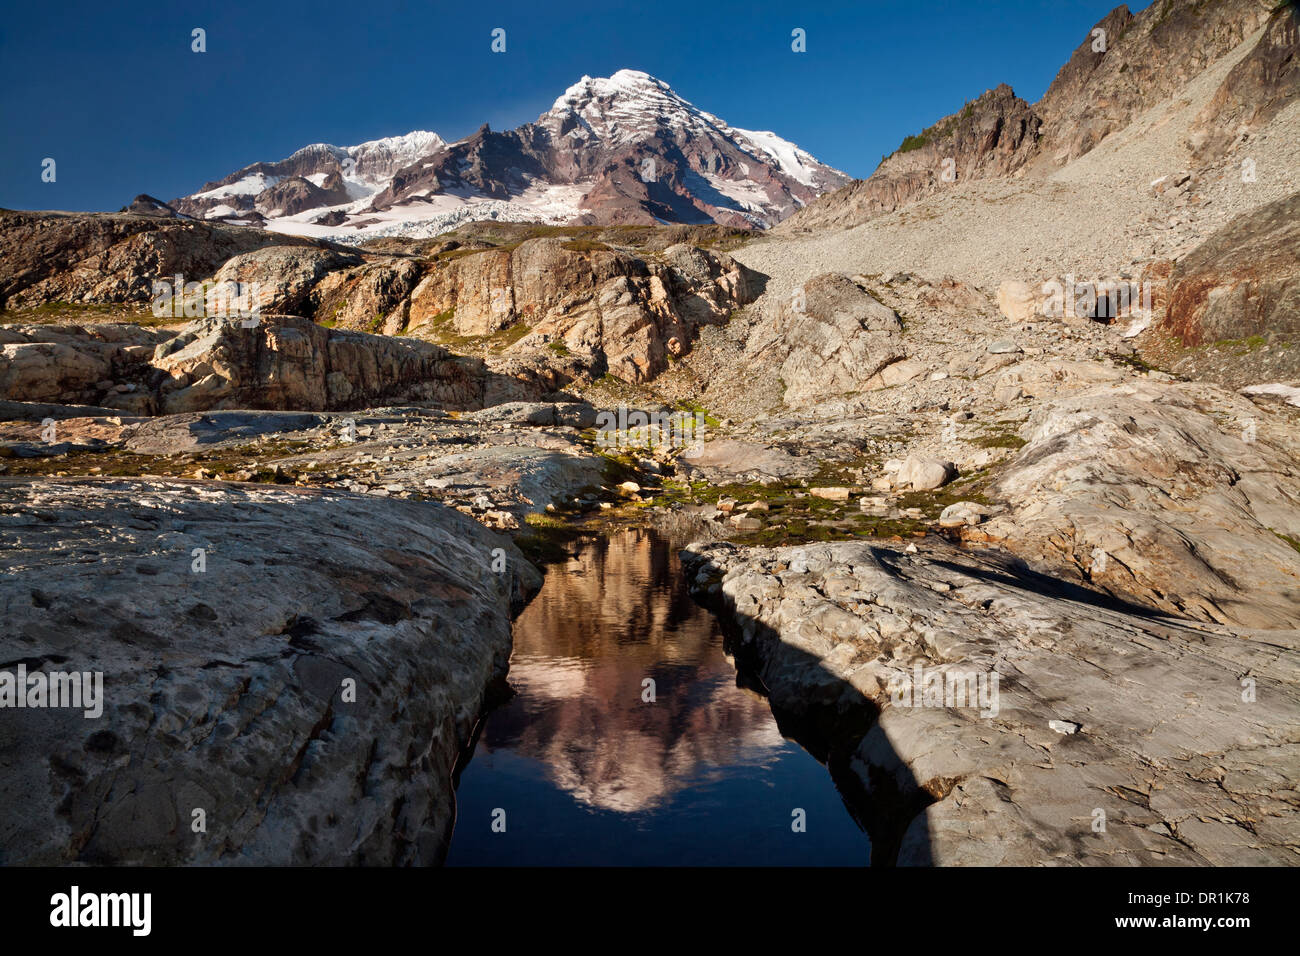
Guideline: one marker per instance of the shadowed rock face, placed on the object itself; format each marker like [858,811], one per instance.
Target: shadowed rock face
[1242,281]
[224,689]
[1102,711]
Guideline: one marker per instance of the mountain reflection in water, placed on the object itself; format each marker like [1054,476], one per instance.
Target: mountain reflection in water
[588,772]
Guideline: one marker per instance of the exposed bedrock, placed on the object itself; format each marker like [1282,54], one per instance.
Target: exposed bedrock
[296,670]
[1112,735]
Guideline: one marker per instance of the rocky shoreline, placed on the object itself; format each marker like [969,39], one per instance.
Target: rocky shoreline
[286,680]
[1113,736]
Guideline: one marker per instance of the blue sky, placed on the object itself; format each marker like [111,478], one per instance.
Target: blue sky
[114,94]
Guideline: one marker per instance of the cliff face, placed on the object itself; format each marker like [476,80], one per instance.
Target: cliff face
[1256,90]
[994,135]
[1126,64]
[1146,59]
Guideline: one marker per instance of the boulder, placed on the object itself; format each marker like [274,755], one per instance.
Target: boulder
[1242,281]
[284,277]
[1016,301]
[921,473]
[310,699]
[831,338]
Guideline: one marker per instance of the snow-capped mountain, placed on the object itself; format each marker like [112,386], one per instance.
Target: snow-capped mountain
[622,149]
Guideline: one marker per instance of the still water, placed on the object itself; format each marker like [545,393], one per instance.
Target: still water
[588,772]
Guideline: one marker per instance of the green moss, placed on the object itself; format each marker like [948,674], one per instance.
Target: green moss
[1000,440]
[134,313]
[1294,542]
[695,408]
[441,329]
[1242,346]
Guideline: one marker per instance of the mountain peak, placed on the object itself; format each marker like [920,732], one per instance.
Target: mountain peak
[622,148]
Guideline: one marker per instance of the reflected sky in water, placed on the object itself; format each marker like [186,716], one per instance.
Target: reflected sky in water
[589,773]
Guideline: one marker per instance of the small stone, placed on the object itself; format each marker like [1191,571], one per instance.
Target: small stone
[962,513]
[1064,726]
[836,493]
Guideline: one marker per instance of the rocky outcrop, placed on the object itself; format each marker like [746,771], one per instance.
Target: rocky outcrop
[992,716]
[830,339]
[146,205]
[1257,88]
[374,297]
[993,135]
[293,363]
[71,364]
[278,362]
[628,313]
[1125,65]
[284,277]
[112,257]
[1137,61]
[1160,494]
[296,194]
[1242,281]
[291,687]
